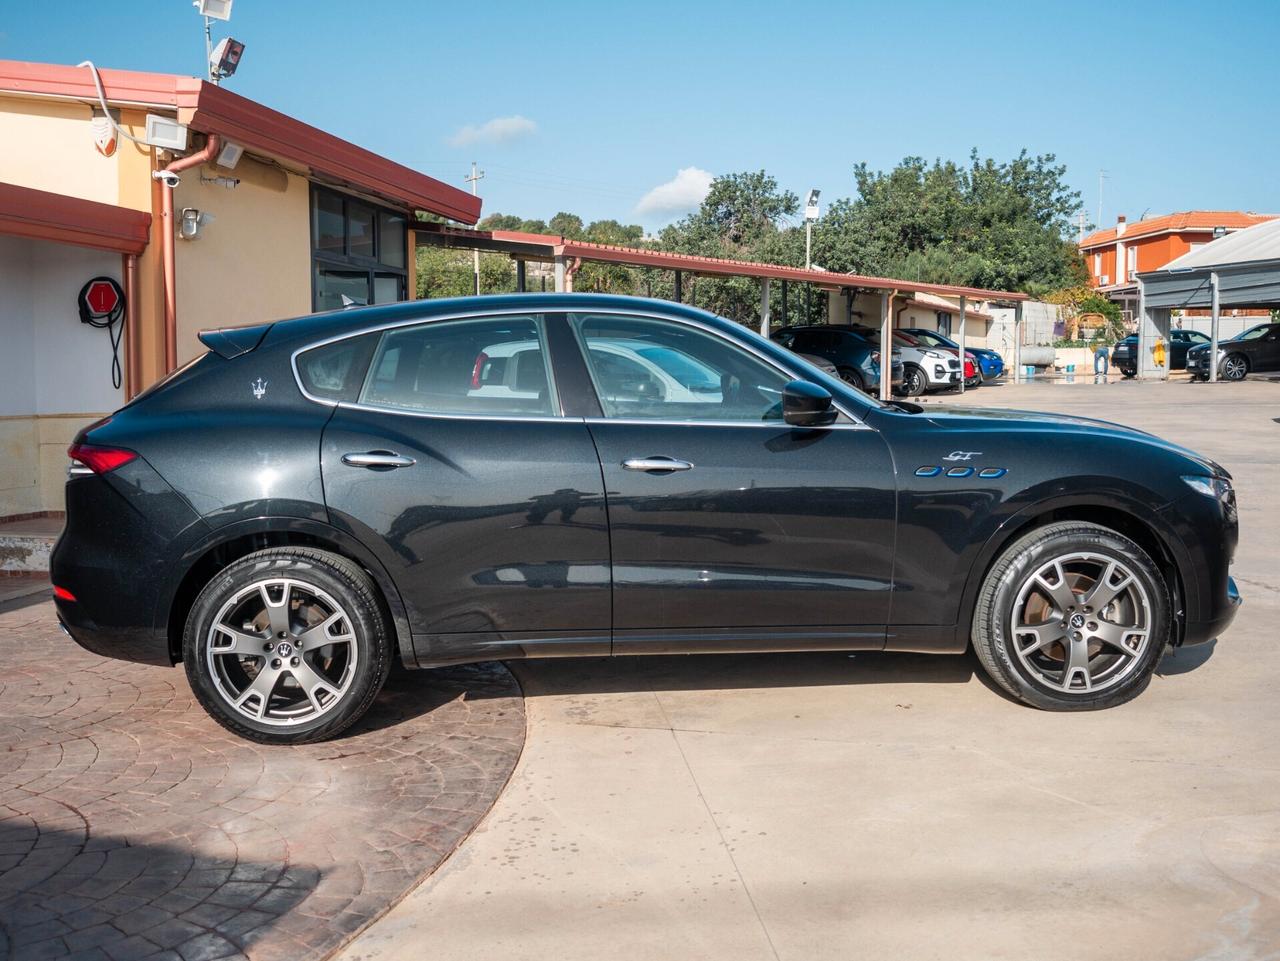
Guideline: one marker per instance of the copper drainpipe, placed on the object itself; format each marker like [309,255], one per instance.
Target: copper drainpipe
[167,245]
[570,269]
[132,349]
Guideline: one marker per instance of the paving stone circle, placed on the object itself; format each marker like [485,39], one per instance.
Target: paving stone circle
[134,827]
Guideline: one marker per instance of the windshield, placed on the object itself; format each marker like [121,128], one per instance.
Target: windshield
[1255,332]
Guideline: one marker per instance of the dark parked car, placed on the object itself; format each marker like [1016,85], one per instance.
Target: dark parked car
[1125,354]
[547,475]
[989,363]
[1257,349]
[856,358]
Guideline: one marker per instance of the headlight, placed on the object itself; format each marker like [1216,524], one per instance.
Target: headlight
[1215,487]
[933,355]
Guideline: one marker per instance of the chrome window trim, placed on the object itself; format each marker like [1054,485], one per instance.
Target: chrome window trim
[856,422]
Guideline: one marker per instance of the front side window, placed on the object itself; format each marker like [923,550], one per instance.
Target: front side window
[1254,333]
[480,366]
[358,252]
[660,370]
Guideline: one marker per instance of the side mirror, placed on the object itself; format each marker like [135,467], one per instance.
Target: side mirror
[807,405]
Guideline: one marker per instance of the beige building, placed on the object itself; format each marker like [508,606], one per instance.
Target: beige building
[221,212]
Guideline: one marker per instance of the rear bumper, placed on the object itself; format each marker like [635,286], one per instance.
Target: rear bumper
[114,557]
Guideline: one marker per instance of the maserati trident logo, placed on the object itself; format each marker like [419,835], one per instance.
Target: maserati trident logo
[259,388]
[963,455]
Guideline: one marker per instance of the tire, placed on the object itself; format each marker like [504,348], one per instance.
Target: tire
[851,377]
[311,691]
[1235,367]
[1042,666]
[1129,373]
[914,382]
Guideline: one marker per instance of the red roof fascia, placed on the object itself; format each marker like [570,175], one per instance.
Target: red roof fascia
[746,268]
[121,86]
[48,216]
[250,124]
[212,109]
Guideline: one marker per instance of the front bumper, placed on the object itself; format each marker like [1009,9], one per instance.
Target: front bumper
[1201,631]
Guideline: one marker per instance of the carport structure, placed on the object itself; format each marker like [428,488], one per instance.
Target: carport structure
[1239,270]
[567,256]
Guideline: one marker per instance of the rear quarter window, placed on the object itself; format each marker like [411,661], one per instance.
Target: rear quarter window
[335,372]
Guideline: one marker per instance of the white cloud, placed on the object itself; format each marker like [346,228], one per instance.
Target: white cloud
[497,130]
[681,193]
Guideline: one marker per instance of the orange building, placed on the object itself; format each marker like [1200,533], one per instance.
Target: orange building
[1113,256]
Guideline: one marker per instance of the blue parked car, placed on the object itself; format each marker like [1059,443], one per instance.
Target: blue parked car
[990,364]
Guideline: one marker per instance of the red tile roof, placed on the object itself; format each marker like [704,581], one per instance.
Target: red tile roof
[211,109]
[1192,220]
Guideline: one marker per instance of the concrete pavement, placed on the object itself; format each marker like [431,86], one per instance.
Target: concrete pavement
[817,806]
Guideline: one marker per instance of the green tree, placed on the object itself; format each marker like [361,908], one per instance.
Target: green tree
[567,225]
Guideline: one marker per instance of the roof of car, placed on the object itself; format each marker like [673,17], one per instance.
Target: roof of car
[334,323]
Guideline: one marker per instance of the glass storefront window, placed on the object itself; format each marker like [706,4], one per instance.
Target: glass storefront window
[358,250]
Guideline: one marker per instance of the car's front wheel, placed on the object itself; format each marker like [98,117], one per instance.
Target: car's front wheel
[1072,617]
[914,381]
[851,377]
[287,646]
[1235,367]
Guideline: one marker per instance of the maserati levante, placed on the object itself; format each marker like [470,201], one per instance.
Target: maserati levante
[545,475]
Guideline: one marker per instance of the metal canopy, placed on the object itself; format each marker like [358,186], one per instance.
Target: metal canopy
[1247,263]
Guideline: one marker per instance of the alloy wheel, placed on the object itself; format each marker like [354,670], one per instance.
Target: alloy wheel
[1235,367]
[1081,623]
[282,651]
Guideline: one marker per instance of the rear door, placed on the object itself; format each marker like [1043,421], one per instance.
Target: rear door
[454,465]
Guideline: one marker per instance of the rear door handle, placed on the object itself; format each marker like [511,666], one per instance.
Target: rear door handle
[659,462]
[378,460]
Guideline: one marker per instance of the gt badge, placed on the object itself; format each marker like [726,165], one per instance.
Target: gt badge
[963,454]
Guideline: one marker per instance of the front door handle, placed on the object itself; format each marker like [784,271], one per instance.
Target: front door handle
[657,463]
[378,460]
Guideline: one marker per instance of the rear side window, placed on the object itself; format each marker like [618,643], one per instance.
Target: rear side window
[479,366]
[336,371]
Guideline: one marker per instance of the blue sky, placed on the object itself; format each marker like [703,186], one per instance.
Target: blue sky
[589,106]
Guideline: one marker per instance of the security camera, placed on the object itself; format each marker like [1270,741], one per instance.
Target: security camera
[168,178]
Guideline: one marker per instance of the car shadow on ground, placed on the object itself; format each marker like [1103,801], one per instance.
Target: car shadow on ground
[709,672]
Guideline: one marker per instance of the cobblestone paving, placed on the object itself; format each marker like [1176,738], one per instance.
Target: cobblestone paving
[132,826]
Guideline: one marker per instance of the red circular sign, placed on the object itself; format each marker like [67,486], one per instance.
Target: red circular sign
[101,297]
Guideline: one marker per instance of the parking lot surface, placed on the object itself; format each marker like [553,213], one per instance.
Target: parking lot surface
[133,827]
[814,806]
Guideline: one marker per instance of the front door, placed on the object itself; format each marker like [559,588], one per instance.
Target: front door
[486,506]
[729,529]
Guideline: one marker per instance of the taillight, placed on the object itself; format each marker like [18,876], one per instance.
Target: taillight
[62,594]
[478,369]
[100,460]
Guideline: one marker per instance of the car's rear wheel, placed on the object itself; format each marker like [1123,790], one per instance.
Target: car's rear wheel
[1072,617]
[1235,367]
[851,377]
[914,381]
[287,646]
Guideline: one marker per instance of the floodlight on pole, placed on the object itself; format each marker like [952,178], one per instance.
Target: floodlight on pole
[214,9]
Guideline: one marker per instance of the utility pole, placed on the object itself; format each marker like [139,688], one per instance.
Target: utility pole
[1102,175]
[1081,219]
[476,176]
